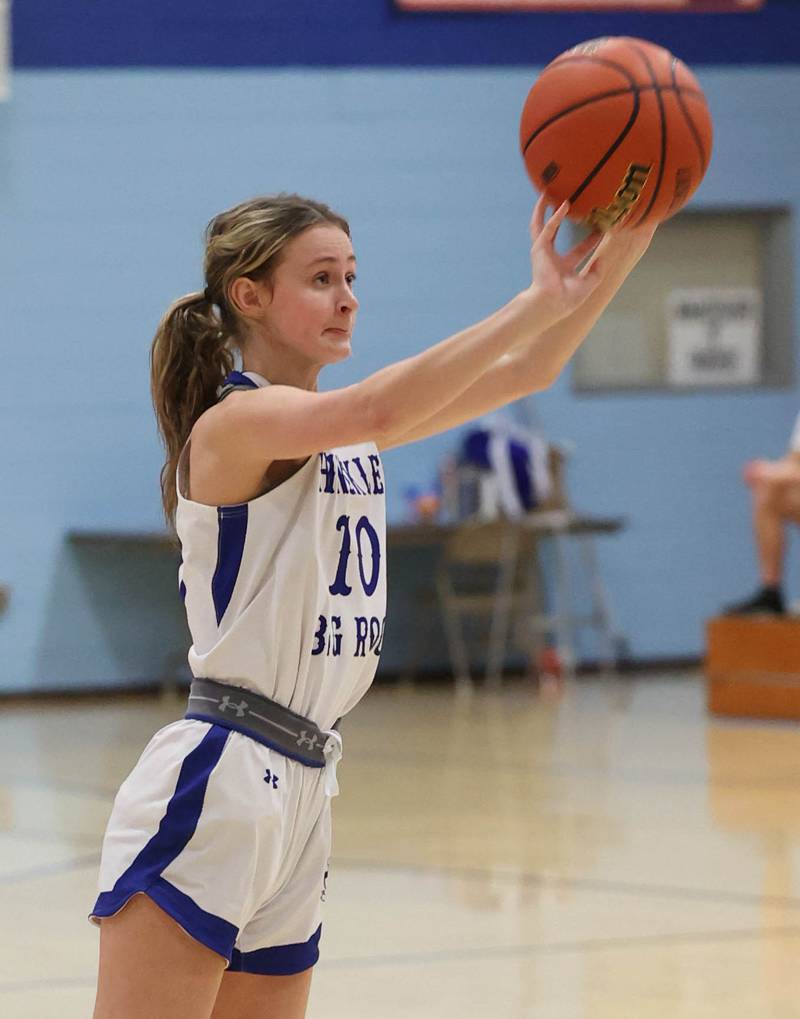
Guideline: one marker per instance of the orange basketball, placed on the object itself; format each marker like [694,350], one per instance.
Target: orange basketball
[618,127]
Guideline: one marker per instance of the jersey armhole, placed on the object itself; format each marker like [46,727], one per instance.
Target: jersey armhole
[182,472]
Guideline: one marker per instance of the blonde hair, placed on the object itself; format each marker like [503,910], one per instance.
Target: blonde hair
[193,348]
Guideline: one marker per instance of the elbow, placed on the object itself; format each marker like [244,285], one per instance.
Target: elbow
[550,378]
[528,374]
[377,417]
[550,373]
[542,379]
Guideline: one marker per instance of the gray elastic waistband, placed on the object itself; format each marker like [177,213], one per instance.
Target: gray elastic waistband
[258,717]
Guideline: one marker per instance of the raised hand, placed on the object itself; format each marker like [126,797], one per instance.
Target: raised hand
[557,278]
[564,282]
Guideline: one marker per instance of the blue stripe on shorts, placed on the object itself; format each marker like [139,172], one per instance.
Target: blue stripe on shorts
[281,961]
[174,833]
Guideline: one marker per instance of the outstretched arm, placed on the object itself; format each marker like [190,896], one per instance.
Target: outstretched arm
[537,362]
[283,422]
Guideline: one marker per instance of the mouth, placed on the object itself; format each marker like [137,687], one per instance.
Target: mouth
[339,332]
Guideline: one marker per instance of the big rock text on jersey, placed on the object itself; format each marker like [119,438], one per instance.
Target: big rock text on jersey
[352,476]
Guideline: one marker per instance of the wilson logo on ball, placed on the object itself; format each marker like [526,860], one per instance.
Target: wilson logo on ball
[626,197]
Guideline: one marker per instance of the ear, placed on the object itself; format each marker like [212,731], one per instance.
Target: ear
[248,296]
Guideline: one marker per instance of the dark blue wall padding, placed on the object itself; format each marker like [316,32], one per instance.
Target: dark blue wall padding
[348,33]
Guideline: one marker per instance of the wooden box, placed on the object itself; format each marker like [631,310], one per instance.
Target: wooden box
[752,666]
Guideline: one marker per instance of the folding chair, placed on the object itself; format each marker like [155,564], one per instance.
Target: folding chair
[488,571]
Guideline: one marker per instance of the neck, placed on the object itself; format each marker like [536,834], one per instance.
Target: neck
[282,367]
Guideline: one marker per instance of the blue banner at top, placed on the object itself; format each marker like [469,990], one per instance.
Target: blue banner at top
[370,33]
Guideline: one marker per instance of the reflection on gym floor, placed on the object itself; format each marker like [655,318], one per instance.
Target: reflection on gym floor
[613,853]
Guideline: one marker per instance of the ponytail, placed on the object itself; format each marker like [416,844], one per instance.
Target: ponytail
[193,347]
[189,360]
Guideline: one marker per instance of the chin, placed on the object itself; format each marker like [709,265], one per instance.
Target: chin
[340,352]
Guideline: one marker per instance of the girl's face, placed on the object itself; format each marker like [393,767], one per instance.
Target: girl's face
[310,305]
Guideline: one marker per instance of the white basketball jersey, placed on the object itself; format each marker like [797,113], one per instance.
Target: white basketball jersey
[285,594]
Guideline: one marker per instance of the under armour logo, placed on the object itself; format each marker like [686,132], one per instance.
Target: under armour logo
[239,708]
[303,740]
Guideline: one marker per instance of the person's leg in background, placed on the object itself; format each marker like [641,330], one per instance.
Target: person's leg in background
[775,503]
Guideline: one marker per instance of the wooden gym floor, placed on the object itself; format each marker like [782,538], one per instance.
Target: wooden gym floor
[610,854]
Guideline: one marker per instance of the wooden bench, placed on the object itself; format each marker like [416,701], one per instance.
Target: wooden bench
[752,666]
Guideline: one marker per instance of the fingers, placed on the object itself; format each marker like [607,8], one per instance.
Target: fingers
[547,231]
[551,227]
[537,219]
[592,267]
[583,248]
[645,231]
[632,241]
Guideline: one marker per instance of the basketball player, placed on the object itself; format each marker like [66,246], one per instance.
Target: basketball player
[215,857]
[775,490]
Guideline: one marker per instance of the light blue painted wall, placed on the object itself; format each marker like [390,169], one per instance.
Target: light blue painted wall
[106,182]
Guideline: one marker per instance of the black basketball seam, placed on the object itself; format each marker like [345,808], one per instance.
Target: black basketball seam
[571,109]
[693,126]
[598,97]
[593,60]
[617,67]
[663,159]
[622,136]
[689,121]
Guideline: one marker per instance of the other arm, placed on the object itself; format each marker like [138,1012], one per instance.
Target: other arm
[536,363]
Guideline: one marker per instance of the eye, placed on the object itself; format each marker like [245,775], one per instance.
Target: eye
[351,278]
[323,276]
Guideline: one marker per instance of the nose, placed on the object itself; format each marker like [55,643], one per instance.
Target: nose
[348,301]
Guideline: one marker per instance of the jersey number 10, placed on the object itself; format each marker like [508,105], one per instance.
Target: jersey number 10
[363,531]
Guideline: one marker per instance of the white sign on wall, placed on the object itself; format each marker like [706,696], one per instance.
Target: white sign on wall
[714,336]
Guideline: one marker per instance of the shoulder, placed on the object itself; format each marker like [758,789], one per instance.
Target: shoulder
[220,422]
[224,467]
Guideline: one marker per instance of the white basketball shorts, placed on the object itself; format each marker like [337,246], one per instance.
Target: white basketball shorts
[228,837]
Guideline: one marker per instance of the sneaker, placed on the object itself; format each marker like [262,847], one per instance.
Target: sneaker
[766,601]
